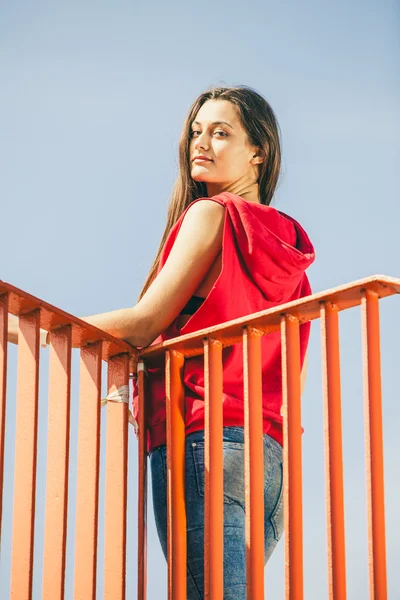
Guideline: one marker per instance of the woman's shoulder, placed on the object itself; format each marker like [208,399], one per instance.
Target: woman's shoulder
[206,206]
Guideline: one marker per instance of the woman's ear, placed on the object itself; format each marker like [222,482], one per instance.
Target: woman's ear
[258,157]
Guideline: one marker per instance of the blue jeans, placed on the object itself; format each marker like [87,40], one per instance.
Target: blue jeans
[234,507]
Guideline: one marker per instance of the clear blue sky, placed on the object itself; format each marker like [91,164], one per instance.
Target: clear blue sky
[92,100]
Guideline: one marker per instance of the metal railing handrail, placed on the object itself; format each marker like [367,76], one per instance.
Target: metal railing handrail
[306,309]
[53,318]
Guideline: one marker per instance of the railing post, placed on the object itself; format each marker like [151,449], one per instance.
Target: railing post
[292,461]
[142,483]
[3,389]
[87,504]
[116,482]
[374,445]
[25,456]
[57,464]
[254,462]
[333,451]
[176,507]
[213,472]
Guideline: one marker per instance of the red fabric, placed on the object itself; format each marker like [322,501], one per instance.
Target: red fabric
[264,257]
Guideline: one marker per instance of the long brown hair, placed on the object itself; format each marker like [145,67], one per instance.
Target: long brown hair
[261,125]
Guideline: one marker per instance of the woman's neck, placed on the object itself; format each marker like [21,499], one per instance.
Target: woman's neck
[246,189]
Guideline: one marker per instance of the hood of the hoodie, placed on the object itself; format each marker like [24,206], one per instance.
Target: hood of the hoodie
[274,247]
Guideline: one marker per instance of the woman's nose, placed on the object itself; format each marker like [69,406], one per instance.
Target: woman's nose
[201,141]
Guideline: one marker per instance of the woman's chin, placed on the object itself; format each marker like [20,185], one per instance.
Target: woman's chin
[201,171]
[199,177]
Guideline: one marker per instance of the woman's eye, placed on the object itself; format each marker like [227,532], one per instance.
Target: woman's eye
[196,133]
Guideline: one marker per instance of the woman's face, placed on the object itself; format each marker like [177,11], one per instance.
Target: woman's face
[218,135]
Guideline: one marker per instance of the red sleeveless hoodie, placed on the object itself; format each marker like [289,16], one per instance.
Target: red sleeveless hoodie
[264,257]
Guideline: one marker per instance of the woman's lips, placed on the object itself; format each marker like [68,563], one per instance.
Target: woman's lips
[201,159]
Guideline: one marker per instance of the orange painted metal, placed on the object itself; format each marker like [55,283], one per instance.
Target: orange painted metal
[268,321]
[51,317]
[176,510]
[254,463]
[25,456]
[374,446]
[287,318]
[88,473]
[292,458]
[333,452]
[214,473]
[116,492]
[57,464]
[142,484]
[3,389]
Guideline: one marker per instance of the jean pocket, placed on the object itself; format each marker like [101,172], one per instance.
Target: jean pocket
[233,470]
[277,514]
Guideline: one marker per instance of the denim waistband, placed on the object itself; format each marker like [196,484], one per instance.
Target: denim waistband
[230,434]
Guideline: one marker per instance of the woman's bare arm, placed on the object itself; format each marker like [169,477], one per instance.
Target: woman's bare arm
[195,249]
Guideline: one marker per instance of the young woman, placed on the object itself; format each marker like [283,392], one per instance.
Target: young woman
[225,253]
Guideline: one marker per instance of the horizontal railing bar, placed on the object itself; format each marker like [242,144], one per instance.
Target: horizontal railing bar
[268,321]
[229,333]
[51,318]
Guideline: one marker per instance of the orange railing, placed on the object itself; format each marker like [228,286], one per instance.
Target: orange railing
[68,331]
[248,331]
